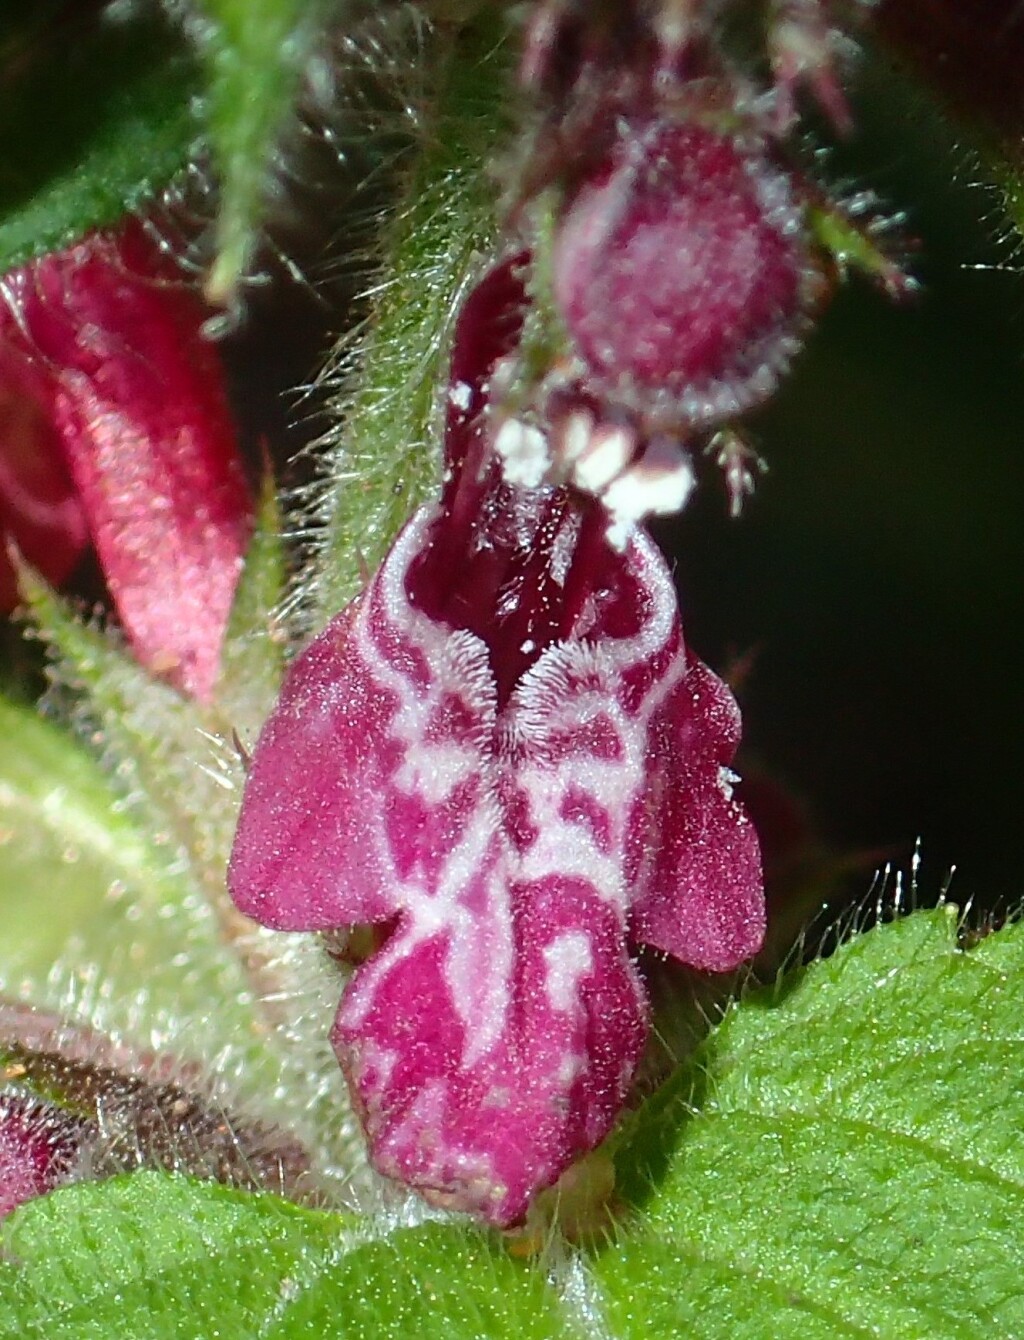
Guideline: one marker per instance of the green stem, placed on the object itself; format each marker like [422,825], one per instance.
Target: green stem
[384,459]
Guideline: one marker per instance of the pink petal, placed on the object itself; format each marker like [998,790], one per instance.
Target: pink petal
[137,398]
[376,713]
[480,1090]
[492,1040]
[684,847]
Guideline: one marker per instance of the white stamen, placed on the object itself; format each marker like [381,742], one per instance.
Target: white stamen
[574,437]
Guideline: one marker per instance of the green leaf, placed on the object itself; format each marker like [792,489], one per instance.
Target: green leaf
[159,1256]
[65,852]
[967,66]
[255,52]
[174,786]
[164,747]
[843,1156]
[81,885]
[1010,179]
[95,117]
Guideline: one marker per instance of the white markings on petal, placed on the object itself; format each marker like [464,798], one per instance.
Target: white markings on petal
[568,959]
[570,742]
[479,965]
[563,549]
[575,686]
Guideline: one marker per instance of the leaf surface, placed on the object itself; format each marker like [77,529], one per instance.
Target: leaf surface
[154,1256]
[844,1155]
[81,885]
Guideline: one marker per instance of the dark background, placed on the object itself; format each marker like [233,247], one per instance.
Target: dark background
[878,573]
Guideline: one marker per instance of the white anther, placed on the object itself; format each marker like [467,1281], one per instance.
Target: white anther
[574,437]
[660,483]
[607,455]
[524,453]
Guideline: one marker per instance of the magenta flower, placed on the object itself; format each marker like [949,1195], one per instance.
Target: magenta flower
[503,755]
[117,425]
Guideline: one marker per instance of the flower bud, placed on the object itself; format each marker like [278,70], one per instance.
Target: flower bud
[107,344]
[682,272]
[40,510]
[38,1145]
